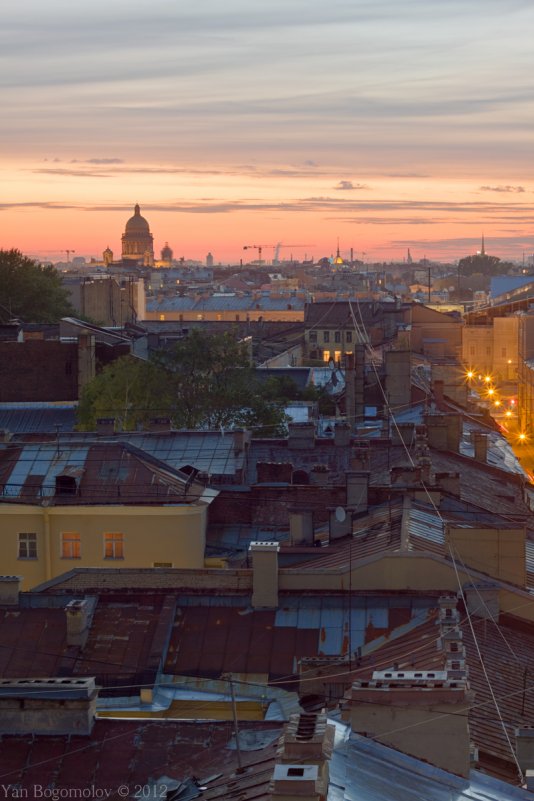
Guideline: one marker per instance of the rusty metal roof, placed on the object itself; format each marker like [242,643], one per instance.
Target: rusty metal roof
[89,472]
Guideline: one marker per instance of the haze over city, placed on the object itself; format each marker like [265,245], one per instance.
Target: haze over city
[387,125]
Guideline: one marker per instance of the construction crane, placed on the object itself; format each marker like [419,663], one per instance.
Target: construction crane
[276,249]
[259,248]
[68,252]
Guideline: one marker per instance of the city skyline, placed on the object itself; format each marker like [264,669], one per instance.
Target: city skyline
[389,127]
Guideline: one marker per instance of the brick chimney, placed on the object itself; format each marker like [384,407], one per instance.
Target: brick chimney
[301,436]
[300,527]
[47,706]
[264,574]
[448,482]
[105,425]
[302,756]
[342,433]
[9,590]
[444,431]
[77,614]
[358,490]
[159,424]
[480,444]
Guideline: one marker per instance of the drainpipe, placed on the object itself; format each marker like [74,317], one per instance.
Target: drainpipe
[47,552]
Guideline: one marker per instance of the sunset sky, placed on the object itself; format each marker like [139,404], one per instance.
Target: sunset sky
[387,124]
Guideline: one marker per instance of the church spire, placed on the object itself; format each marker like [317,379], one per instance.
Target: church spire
[482,249]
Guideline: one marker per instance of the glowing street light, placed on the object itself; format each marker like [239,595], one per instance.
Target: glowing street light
[522,437]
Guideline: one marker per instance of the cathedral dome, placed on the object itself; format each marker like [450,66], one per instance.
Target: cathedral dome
[137,224]
[137,241]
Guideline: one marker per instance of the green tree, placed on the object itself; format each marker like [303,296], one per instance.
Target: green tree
[130,390]
[213,385]
[484,264]
[204,381]
[30,292]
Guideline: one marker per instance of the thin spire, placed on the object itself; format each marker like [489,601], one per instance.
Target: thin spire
[482,249]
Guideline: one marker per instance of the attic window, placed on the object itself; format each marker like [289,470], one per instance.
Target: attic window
[295,772]
[65,485]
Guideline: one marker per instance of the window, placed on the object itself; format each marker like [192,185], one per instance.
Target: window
[114,546]
[71,546]
[162,318]
[326,336]
[337,356]
[337,336]
[326,356]
[27,546]
[65,485]
[313,336]
[348,336]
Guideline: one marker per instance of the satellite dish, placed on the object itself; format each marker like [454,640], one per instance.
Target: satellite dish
[340,514]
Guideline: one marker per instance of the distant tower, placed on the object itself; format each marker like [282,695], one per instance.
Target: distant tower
[338,259]
[137,241]
[409,259]
[166,253]
[482,248]
[209,260]
[107,256]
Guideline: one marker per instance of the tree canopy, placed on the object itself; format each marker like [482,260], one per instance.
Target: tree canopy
[484,264]
[32,293]
[203,381]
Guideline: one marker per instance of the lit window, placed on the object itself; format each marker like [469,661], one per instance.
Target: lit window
[114,546]
[162,317]
[27,546]
[337,356]
[326,355]
[71,547]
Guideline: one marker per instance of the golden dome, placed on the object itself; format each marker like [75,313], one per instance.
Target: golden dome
[137,224]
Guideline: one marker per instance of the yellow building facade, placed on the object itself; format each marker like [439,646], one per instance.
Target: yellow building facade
[42,542]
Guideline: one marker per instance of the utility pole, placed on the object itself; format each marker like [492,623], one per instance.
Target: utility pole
[236,727]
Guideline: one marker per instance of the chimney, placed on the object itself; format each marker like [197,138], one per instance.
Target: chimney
[438,387]
[319,475]
[444,431]
[302,758]
[86,360]
[483,600]
[105,425]
[160,424]
[77,613]
[292,782]
[301,436]
[357,490]
[339,522]
[417,712]
[9,590]
[274,472]
[300,527]
[47,706]
[342,432]
[403,433]
[405,476]
[480,443]
[359,457]
[448,482]
[264,574]
[307,737]
[241,440]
